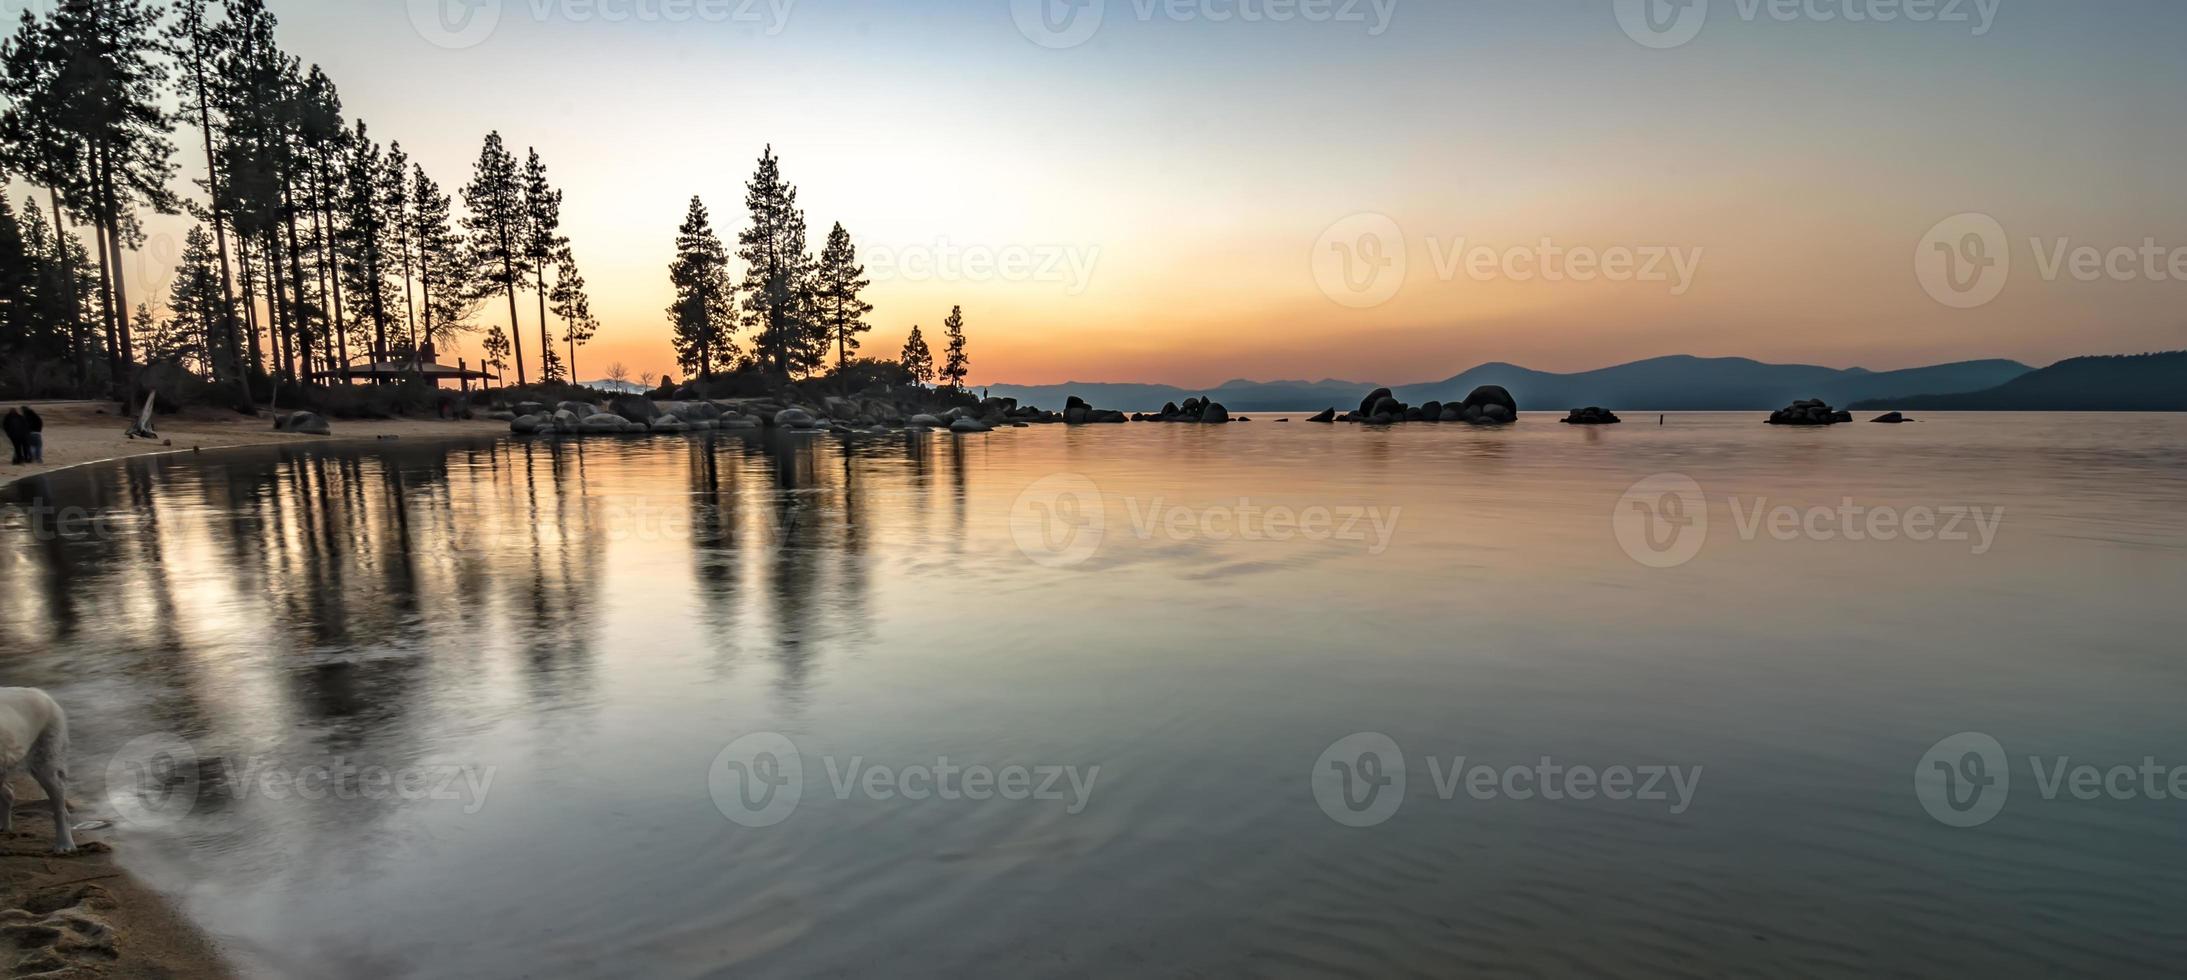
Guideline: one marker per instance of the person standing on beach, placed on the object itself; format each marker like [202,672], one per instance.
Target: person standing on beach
[34,435]
[18,435]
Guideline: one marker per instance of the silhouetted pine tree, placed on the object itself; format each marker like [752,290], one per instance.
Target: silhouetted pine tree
[773,250]
[954,368]
[837,280]
[703,314]
[496,222]
[916,358]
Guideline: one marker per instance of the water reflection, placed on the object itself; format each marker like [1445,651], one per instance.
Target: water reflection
[593,620]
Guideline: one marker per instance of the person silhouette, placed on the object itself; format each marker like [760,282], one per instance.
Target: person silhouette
[34,435]
[18,430]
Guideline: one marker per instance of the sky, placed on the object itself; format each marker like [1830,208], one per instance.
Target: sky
[1377,190]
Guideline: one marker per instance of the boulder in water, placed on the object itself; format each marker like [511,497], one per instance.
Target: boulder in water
[1890,418]
[969,425]
[1214,414]
[1592,415]
[1366,405]
[635,408]
[1327,415]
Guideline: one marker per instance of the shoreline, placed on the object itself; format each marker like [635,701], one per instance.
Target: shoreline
[86,915]
[87,433]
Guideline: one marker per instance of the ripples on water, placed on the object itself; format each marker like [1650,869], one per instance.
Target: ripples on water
[595,621]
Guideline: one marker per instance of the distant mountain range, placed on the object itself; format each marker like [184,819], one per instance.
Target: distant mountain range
[1680,383]
[2125,383]
[615,387]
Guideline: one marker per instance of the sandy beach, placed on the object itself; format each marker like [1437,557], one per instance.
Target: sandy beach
[83,916]
[81,432]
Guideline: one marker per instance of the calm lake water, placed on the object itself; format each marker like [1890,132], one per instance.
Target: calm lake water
[699,706]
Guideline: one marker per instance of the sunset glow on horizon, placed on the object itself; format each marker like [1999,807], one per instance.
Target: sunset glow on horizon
[1152,203]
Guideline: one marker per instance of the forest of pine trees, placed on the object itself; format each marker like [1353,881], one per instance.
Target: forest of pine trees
[802,312]
[315,246]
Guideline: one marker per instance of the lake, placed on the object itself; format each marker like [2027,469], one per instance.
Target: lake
[1706,697]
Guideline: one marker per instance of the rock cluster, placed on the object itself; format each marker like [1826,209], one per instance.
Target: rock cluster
[1592,415]
[1809,411]
[1487,405]
[1200,410]
[1077,412]
[871,413]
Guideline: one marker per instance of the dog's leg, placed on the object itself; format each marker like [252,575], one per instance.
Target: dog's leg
[7,804]
[50,778]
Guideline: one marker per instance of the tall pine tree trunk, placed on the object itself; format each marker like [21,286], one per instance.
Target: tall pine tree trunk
[546,340]
[67,262]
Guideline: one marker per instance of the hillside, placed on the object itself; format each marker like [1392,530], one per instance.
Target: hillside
[1677,383]
[2119,383]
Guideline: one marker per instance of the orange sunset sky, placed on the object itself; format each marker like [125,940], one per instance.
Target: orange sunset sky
[1170,184]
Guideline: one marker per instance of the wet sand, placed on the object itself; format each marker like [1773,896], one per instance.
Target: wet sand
[91,431]
[81,915]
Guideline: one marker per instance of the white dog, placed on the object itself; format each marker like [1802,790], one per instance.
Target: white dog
[34,736]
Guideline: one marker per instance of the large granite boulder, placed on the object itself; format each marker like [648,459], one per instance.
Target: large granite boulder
[1891,418]
[1327,415]
[1213,413]
[795,418]
[602,422]
[564,420]
[969,424]
[668,423]
[528,424]
[635,408]
[582,410]
[1592,415]
[1367,404]
[304,423]
[1809,412]
[925,421]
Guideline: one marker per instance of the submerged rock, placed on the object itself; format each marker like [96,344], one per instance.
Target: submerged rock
[1592,415]
[969,425]
[1809,412]
[1327,415]
[1214,414]
[1890,418]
